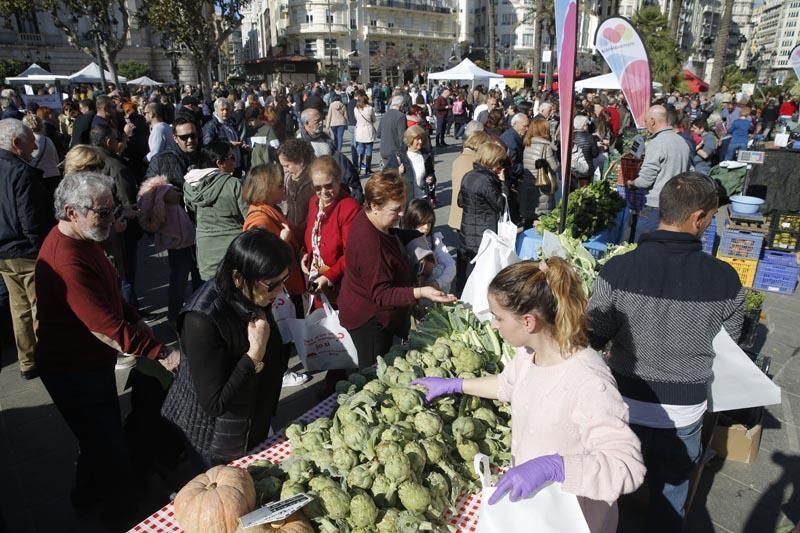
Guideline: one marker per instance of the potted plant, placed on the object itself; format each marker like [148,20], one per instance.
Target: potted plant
[753,304]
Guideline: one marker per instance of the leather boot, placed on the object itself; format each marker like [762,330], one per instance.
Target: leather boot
[368,166]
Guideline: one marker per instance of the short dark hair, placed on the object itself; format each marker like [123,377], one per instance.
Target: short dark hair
[700,123]
[255,254]
[100,133]
[297,151]
[182,118]
[417,213]
[87,104]
[213,152]
[684,194]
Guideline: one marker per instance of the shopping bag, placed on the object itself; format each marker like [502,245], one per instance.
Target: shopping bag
[506,229]
[549,510]
[737,383]
[494,254]
[321,341]
[282,310]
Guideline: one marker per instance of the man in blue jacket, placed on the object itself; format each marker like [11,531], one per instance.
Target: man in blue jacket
[24,223]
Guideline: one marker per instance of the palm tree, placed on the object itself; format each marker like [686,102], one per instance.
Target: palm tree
[675,18]
[720,48]
[538,9]
[490,16]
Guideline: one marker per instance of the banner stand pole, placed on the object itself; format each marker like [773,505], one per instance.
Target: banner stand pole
[566,29]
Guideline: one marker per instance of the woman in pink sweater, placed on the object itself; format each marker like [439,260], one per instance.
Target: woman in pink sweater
[569,423]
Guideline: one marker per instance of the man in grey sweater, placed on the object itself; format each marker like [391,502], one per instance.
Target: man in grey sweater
[665,156]
[391,129]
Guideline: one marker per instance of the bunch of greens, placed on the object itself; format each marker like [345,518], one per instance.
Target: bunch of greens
[589,210]
[753,301]
[388,462]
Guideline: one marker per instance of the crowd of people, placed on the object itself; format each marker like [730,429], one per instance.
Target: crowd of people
[251,195]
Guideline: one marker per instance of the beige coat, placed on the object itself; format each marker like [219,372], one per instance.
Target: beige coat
[337,115]
[461,166]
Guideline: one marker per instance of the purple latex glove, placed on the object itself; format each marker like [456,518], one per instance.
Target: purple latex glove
[527,478]
[440,386]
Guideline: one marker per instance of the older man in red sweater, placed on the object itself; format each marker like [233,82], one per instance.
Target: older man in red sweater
[83,325]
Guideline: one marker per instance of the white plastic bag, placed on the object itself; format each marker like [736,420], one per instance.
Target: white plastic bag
[282,310]
[494,254]
[550,510]
[738,383]
[507,230]
[321,341]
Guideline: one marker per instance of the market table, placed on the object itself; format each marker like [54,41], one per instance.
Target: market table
[780,174]
[276,449]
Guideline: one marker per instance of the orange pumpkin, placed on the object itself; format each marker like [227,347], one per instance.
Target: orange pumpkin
[215,500]
[294,523]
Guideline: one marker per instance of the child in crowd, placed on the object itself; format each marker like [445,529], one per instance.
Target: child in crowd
[434,264]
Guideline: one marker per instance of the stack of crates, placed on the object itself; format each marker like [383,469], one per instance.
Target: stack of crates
[741,250]
[777,272]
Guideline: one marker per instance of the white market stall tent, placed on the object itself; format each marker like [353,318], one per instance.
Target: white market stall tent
[464,71]
[91,74]
[608,82]
[144,81]
[33,75]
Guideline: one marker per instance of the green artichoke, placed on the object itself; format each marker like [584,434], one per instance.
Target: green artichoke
[397,468]
[416,456]
[428,423]
[335,501]
[363,511]
[386,449]
[414,496]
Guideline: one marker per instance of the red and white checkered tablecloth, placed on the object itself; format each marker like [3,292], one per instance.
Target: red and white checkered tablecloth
[276,449]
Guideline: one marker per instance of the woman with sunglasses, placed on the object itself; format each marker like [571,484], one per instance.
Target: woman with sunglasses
[232,358]
[378,287]
[213,196]
[330,213]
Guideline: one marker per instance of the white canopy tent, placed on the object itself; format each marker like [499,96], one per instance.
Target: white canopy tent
[33,75]
[464,71]
[145,81]
[91,74]
[608,82]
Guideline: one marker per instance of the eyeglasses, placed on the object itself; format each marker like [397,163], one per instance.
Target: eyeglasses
[103,212]
[187,136]
[269,287]
[327,186]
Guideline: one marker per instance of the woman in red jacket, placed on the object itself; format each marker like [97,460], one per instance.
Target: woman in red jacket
[330,212]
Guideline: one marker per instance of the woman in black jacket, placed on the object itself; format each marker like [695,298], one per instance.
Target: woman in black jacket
[482,202]
[417,164]
[232,356]
[587,143]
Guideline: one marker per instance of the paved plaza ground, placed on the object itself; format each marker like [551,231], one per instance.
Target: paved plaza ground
[37,450]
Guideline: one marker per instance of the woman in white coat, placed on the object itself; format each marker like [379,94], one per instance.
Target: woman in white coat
[365,134]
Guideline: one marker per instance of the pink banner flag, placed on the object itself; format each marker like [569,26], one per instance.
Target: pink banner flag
[794,60]
[621,46]
[566,12]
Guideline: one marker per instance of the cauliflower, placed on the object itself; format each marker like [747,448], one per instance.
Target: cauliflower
[363,511]
[335,501]
[414,496]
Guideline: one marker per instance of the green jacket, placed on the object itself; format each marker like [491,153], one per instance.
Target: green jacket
[214,198]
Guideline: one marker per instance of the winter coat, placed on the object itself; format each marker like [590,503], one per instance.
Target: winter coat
[170,225]
[482,202]
[218,401]
[365,124]
[173,163]
[415,184]
[264,153]
[337,115]
[24,219]
[461,165]
[588,145]
[215,199]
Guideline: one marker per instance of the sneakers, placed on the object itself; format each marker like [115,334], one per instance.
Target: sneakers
[124,362]
[293,379]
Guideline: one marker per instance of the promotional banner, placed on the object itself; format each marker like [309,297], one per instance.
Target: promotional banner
[622,48]
[794,60]
[566,41]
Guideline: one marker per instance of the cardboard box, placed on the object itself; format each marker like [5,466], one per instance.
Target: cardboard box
[738,442]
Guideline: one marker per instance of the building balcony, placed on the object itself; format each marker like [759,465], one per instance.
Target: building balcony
[317,28]
[409,6]
[410,32]
[30,38]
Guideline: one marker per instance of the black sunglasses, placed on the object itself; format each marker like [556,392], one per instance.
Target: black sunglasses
[103,212]
[187,136]
[326,186]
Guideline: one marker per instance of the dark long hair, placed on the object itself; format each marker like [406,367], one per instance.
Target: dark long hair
[255,254]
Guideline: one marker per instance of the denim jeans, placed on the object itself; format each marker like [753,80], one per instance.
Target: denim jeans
[670,456]
[182,265]
[338,136]
[441,128]
[647,221]
[364,149]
